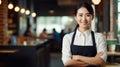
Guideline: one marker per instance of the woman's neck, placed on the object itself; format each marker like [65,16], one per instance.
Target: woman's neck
[83,29]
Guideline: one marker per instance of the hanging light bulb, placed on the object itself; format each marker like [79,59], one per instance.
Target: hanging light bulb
[27,12]
[22,10]
[33,14]
[10,6]
[16,9]
[96,2]
[0,2]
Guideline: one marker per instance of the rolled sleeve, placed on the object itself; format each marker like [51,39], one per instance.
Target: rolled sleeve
[102,46]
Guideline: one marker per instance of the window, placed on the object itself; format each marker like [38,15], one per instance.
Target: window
[57,22]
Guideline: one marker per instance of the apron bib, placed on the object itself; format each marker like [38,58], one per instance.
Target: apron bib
[89,51]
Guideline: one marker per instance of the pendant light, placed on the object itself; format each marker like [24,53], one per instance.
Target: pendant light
[17,9]
[0,2]
[33,14]
[10,6]
[96,2]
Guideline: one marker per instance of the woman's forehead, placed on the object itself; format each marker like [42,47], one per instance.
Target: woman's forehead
[82,10]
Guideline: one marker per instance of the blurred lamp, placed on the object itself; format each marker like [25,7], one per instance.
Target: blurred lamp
[51,11]
[22,10]
[16,9]
[33,14]
[27,12]
[10,6]
[96,2]
[0,2]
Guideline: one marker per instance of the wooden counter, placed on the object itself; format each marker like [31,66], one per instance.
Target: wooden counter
[8,51]
[25,56]
[113,53]
[112,56]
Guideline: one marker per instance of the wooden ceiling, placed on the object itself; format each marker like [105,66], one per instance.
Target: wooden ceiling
[60,7]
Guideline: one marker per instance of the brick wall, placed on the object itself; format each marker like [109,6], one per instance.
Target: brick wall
[3,22]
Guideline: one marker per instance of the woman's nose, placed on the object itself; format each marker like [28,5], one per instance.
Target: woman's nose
[83,18]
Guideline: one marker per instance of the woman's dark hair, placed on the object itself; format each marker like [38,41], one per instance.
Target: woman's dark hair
[87,6]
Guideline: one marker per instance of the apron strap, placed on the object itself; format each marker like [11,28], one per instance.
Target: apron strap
[73,37]
[93,38]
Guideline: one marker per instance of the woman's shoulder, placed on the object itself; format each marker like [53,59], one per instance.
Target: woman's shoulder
[68,34]
[98,34]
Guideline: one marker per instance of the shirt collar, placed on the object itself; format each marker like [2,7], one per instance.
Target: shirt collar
[86,33]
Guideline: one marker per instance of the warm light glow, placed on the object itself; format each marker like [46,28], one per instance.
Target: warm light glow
[27,12]
[17,9]
[51,11]
[10,6]
[0,2]
[22,10]
[33,14]
[96,2]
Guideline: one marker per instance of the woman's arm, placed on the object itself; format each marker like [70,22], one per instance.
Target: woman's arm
[83,61]
[97,60]
[75,63]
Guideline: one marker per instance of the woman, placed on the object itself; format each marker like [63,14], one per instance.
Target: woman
[83,47]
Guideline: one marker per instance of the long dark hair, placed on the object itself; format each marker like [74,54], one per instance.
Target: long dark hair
[87,6]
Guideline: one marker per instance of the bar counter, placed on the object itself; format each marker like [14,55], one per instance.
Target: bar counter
[25,56]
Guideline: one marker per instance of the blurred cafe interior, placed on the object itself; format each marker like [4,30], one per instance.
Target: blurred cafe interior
[28,28]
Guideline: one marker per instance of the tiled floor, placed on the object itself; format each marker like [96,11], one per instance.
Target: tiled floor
[56,61]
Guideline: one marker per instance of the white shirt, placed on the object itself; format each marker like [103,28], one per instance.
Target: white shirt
[83,39]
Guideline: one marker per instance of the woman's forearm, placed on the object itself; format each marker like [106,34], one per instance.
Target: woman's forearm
[75,63]
[90,60]
[96,60]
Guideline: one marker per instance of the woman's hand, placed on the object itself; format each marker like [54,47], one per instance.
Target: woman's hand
[81,63]
[76,57]
[99,54]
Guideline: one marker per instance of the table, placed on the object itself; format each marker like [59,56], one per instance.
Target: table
[112,55]
[8,51]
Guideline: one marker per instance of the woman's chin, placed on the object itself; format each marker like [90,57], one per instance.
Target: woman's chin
[86,27]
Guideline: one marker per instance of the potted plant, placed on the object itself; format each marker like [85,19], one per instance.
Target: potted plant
[111,44]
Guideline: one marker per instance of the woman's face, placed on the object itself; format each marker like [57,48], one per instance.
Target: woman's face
[83,17]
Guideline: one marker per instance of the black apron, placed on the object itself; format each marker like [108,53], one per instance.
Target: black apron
[89,51]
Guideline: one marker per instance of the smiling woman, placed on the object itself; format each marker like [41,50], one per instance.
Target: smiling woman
[83,47]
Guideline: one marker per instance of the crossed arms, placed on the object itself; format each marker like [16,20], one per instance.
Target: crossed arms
[83,61]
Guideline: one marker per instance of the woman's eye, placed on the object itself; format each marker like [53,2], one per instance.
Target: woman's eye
[88,15]
[80,15]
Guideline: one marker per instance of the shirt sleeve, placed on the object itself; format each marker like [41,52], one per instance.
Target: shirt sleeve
[102,46]
[66,53]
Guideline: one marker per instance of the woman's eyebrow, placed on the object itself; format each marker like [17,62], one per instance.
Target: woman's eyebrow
[82,13]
